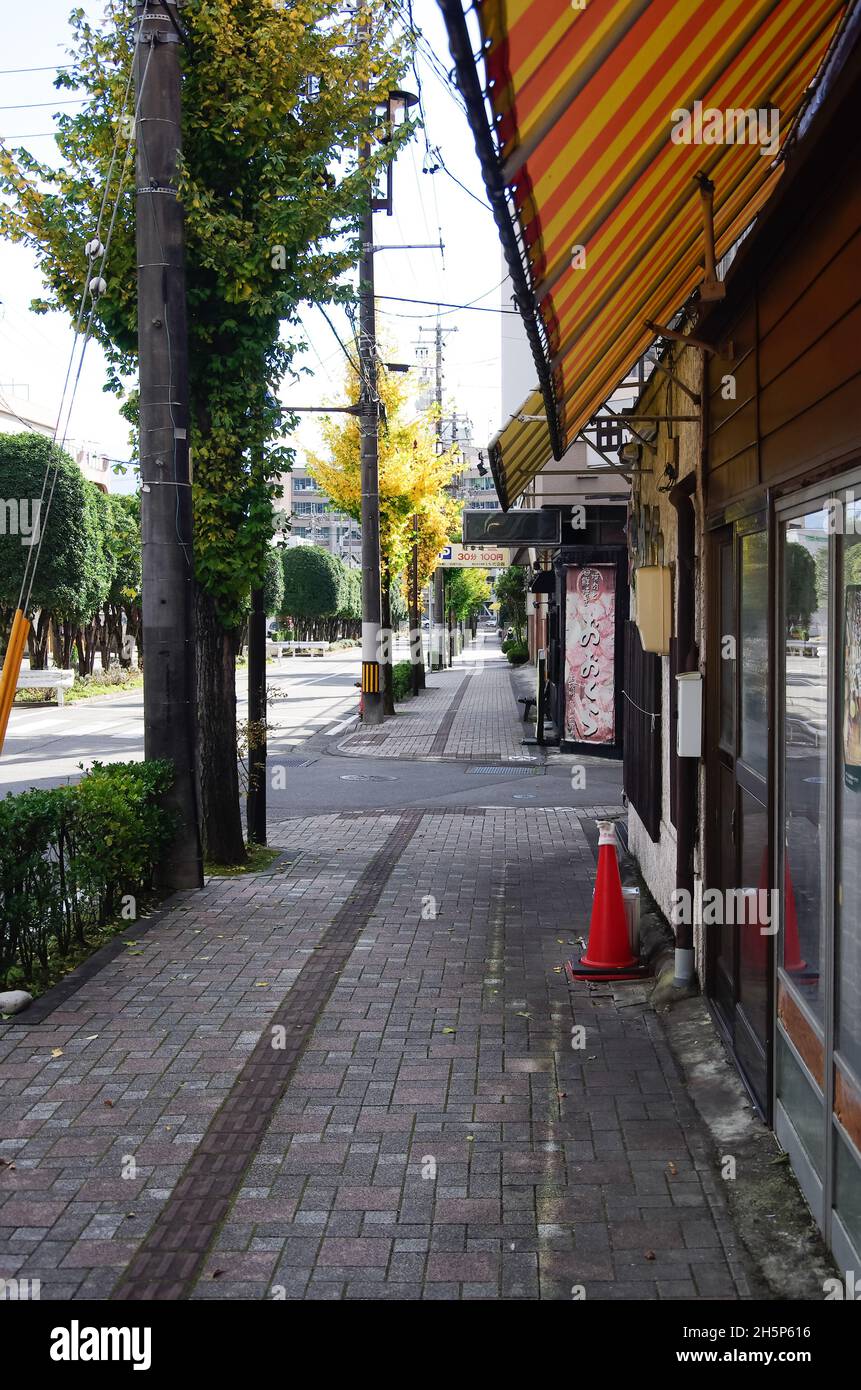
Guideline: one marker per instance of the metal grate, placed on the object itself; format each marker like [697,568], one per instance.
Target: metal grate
[294,762]
[506,770]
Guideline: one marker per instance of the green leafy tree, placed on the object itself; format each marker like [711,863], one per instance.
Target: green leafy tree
[276,99]
[468,590]
[511,592]
[313,585]
[801,597]
[273,584]
[75,571]
[122,617]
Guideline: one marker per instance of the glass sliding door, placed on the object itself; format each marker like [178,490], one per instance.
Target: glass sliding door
[818,1046]
[846,1201]
[804,873]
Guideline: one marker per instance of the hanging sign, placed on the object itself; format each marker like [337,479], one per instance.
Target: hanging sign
[474,556]
[590,654]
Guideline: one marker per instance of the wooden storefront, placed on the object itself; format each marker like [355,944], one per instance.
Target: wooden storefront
[782,560]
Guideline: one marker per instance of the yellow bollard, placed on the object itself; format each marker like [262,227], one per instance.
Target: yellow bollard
[11,668]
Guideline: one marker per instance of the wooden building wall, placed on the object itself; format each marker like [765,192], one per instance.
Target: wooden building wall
[796,342]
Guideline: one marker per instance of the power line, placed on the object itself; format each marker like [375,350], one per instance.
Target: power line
[474,196]
[443,304]
[31,105]
[11,72]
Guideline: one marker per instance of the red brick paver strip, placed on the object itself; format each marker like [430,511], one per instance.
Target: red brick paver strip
[170,1258]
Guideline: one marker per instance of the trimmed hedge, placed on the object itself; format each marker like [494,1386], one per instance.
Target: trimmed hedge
[517,652]
[402,680]
[72,860]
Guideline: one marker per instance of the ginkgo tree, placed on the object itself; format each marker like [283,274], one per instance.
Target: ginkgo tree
[277,97]
[413,478]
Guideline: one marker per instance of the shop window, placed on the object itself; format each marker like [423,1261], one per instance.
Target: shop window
[642,731]
[847,1190]
[848,937]
[805,794]
[802,1103]
[753,653]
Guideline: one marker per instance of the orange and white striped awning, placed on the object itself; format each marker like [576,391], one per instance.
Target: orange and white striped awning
[575,111]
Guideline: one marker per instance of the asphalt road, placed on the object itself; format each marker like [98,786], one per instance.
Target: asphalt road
[314,707]
[45,745]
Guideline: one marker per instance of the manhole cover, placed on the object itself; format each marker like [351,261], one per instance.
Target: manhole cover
[365,777]
[504,771]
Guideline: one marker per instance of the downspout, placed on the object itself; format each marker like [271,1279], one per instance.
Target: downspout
[687,659]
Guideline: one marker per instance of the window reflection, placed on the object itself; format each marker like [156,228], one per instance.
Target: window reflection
[805,608]
[848,939]
[753,634]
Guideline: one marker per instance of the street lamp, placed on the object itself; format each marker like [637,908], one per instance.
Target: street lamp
[393,112]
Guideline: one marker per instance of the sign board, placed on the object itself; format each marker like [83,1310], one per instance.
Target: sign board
[590,653]
[486,557]
[524,526]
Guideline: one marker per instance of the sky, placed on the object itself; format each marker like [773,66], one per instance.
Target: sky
[34,349]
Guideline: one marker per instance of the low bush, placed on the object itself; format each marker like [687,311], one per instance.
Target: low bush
[402,680]
[72,861]
[517,652]
[99,683]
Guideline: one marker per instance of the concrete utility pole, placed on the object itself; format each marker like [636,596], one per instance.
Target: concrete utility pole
[438,640]
[255,811]
[372,695]
[166,523]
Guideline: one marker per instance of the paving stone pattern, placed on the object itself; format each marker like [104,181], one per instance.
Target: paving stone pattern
[467,713]
[433,1134]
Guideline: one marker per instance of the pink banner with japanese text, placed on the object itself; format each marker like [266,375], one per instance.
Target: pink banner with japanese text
[590,654]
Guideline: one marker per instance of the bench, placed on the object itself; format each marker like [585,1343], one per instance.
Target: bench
[279,649]
[527,701]
[52,679]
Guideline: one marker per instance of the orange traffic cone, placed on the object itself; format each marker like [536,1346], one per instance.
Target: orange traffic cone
[793,963]
[608,953]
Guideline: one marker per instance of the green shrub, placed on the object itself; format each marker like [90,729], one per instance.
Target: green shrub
[68,857]
[402,680]
[517,652]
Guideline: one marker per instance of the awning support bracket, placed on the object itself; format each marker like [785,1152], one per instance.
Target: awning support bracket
[722,350]
[711,288]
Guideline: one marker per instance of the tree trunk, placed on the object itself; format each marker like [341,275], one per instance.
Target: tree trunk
[386,653]
[217,759]
[38,642]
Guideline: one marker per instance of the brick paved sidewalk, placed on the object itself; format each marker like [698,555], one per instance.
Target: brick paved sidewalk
[468,713]
[352,1077]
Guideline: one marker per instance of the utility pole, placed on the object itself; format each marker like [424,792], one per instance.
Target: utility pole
[372,694]
[438,640]
[166,520]
[255,806]
[416,656]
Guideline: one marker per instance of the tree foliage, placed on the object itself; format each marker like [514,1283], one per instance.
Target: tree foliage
[274,105]
[313,586]
[801,598]
[468,590]
[277,96]
[74,572]
[273,584]
[510,590]
[412,477]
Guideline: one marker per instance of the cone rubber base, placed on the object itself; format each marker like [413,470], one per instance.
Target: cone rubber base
[575,970]
[803,974]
